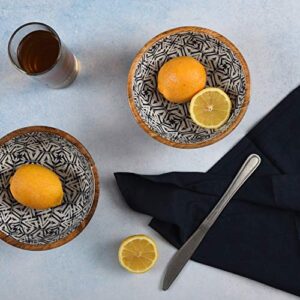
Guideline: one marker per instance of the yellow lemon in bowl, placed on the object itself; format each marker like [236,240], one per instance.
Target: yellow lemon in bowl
[36,186]
[181,78]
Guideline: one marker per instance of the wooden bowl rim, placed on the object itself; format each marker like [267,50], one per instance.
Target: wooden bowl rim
[88,217]
[148,45]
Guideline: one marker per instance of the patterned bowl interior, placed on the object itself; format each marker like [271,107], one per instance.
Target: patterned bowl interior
[172,121]
[40,227]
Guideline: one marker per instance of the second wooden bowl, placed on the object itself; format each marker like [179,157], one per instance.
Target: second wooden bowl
[57,150]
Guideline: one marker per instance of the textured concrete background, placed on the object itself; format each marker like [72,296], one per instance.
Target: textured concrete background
[105,35]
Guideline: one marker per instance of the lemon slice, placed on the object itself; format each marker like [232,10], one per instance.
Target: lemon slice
[138,253]
[210,108]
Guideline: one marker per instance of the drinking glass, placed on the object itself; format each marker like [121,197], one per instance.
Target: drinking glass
[35,49]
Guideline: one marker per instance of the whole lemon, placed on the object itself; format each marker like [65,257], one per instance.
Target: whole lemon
[181,78]
[36,186]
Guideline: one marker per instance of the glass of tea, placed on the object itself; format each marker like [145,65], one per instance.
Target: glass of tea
[36,50]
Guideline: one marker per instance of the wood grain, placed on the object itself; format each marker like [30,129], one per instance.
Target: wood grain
[148,45]
[83,151]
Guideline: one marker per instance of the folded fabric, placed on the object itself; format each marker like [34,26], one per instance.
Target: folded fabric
[258,233]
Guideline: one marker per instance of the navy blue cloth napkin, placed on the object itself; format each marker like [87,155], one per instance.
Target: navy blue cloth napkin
[258,233]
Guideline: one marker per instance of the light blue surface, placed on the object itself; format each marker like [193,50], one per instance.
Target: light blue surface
[105,35]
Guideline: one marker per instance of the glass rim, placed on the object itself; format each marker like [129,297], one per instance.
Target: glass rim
[13,35]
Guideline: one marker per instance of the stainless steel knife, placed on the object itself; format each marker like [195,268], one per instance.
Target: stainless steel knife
[182,256]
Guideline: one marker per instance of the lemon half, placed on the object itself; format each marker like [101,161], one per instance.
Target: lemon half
[138,253]
[210,108]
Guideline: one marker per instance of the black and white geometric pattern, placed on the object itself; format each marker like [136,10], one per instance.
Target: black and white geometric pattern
[41,227]
[172,121]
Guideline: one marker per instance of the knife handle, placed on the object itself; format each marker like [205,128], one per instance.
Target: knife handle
[182,256]
[246,170]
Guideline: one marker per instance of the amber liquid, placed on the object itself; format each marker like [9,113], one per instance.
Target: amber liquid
[38,52]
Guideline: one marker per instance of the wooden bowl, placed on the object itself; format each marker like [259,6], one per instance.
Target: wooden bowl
[170,123]
[32,229]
